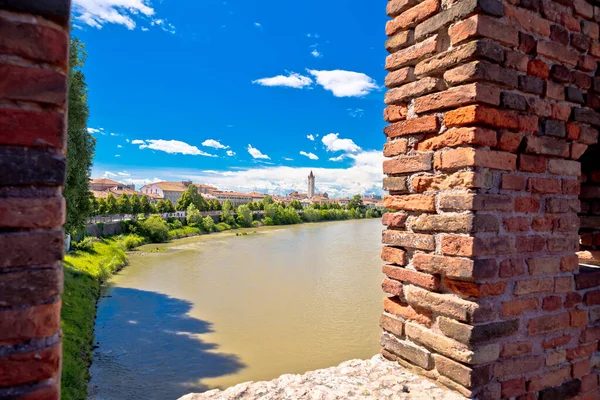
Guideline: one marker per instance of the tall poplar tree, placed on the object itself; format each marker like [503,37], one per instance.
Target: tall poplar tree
[80,143]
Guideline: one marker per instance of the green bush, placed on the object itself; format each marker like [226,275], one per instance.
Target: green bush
[268,221]
[208,224]
[255,224]
[155,229]
[222,226]
[86,244]
[184,232]
[176,224]
[129,242]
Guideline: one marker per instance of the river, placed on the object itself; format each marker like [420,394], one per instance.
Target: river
[216,310]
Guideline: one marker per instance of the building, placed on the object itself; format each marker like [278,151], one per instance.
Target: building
[174,190]
[101,184]
[236,198]
[311,185]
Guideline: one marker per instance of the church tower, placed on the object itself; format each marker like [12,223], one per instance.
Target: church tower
[311,185]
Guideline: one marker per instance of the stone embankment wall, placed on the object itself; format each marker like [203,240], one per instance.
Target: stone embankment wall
[491,105]
[34,43]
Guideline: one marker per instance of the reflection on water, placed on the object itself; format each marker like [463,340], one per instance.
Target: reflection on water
[217,310]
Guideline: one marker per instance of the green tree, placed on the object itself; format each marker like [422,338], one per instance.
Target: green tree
[155,228]
[270,211]
[161,207]
[136,204]
[111,204]
[101,206]
[267,200]
[191,196]
[169,206]
[216,205]
[244,216]
[193,217]
[124,204]
[94,204]
[208,224]
[80,143]
[356,203]
[296,204]
[227,213]
[147,207]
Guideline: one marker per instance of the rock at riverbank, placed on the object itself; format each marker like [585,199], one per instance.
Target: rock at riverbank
[355,379]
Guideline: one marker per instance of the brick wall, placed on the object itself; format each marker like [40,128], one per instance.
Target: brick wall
[491,104]
[33,88]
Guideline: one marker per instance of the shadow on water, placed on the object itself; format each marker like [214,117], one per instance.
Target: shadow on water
[146,348]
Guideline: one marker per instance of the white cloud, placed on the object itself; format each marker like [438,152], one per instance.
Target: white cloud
[123,173]
[310,137]
[292,80]
[309,155]
[171,147]
[356,112]
[338,158]
[117,155]
[164,25]
[288,159]
[114,134]
[333,143]
[137,141]
[258,24]
[97,13]
[363,176]
[144,29]
[313,35]
[255,153]
[230,153]
[316,54]
[214,144]
[119,146]
[345,83]
[127,140]
[96,130]
[108,174]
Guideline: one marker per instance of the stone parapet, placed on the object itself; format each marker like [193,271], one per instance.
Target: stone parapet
[491,106]
[34,43]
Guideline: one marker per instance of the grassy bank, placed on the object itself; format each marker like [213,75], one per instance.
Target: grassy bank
[84,272]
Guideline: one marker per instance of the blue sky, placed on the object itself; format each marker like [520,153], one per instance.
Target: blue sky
[242,94]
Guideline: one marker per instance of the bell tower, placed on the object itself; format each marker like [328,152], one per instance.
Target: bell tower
[311,185]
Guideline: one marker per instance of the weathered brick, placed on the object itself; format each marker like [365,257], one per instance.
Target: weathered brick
[564,167]
[34,84]
[517,366]
[550,378]
[478,114]
[469,334]
[468,377]
[396,147]
[450,347]
[30,286]
[548,323]
[557,52]
[32,322]
[50,45]
[543,185]
[403,310]
[527,20]
[513,387]
[443,304]
[411,55]
[392,324]
[534,286]
[519,306]
[515,349]
[483,26]
[393,255]
[459,96]
[399,77]
[458,179]
[543,265]
[30,367]
[459,136]
[469,157]
[407,350]
[475,50]
[32,212]
[408,239]
[513,182]
[394,220]
[15,248]
[431,282]
[395,112]
[413,126]
[475,71]
[404,164]
[462,223]
[476,202]
[547,146]
[411,17]
[413,89]
[412,202]
[397,7]
[396,184]
[454,267]
[392,287]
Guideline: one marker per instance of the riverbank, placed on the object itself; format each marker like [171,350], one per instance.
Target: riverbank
[375,378]
[84,273]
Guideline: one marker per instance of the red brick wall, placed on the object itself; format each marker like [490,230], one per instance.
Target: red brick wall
[491,104]
[33,88]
